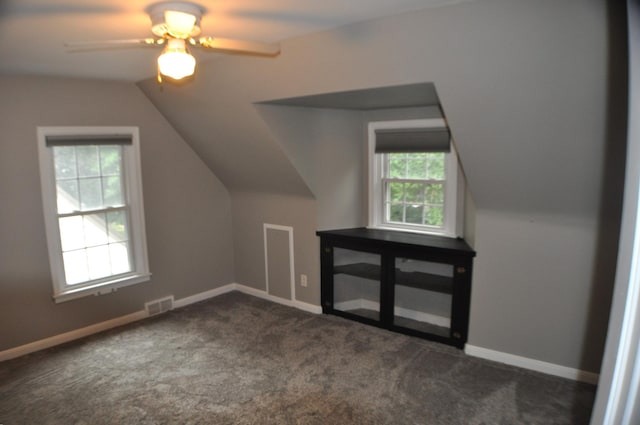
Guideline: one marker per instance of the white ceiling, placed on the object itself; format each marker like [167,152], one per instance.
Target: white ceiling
[33,32]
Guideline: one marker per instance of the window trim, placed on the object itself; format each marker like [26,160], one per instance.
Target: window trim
[134,199]
[376,211]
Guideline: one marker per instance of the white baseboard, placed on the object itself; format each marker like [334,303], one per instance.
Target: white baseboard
[485,353]
[71,335]
[196,298]
[300,305]
[259,293]
[531,364]
[52,341]
[510,359]
[419,316]
[352,305]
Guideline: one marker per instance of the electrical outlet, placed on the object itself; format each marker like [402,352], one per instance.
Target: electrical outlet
[303,280]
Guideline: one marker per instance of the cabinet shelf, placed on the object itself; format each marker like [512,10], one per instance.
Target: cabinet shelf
[420,280]
[364,270]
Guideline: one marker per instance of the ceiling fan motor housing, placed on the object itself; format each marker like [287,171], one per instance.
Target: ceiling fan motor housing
[161,15]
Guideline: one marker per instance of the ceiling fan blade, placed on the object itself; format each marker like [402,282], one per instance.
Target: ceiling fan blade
[239,46]
[112,44]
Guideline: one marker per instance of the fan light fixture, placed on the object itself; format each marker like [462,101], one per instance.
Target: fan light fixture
[176,24]
[176,61]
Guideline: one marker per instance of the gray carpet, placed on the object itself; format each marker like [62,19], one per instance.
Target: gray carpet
[237,359]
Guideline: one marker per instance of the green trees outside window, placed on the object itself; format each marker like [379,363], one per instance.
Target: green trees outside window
[414,188]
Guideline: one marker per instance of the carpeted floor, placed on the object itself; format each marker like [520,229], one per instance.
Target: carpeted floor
[237,359]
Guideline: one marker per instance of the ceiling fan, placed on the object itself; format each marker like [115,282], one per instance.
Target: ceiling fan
[176,25]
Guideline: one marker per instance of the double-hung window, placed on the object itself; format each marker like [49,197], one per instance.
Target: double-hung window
[413,177]
[92,199]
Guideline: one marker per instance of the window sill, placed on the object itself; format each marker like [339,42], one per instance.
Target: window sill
[101,288]
[412,230]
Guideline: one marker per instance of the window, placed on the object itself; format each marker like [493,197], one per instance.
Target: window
[92,198]
[413,177]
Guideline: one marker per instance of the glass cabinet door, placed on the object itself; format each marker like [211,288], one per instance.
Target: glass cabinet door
[423,296]
[356,283]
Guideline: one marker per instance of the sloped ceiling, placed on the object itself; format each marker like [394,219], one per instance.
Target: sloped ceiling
[406,96]
[523,85]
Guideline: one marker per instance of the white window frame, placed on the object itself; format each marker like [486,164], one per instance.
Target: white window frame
[133,192]
[376,188]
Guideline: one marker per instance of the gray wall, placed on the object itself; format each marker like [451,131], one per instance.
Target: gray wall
[328,148]
[524,86]
[187,209]
[250,212]
[325,146]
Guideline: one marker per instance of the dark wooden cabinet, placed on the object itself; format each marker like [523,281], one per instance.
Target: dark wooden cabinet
[411,283]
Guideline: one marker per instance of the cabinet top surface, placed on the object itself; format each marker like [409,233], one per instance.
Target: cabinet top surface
[396,237]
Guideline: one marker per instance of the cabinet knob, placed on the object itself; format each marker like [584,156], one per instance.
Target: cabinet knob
[457,335]
[461,270]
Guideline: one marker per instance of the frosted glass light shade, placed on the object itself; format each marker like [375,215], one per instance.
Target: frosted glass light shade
[175,61]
